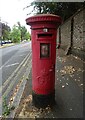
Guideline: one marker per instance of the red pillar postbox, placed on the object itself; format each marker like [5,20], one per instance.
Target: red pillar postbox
[43,35]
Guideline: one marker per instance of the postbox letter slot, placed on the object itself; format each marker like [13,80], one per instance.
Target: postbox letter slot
[44,35]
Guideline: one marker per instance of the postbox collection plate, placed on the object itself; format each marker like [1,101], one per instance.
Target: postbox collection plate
[44,50]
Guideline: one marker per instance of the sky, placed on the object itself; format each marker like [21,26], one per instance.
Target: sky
[11,11]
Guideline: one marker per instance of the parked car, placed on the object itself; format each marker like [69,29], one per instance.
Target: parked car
[3,42]
[6,41]
[9,41]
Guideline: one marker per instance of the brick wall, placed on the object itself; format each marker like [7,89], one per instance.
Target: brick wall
[73,33]
[78,31]
[84,29]
[65,34]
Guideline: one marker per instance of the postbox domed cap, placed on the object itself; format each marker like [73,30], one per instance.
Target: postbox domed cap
[44,18]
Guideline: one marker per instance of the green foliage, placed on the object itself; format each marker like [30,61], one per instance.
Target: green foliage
[5,31]
[63,9]
[24,34]
[6,109]
[27,36]
[15,34]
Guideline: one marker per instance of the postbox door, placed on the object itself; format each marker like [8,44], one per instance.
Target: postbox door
[43,62]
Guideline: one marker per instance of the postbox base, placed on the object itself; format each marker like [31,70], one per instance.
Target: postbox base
[42,101]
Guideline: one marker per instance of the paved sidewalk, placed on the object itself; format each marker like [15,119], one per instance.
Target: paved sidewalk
[68,91]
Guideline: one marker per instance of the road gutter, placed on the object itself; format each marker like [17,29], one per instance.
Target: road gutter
[19,94]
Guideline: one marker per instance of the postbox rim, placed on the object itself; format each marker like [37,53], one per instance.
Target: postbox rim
[43,18]
[45,15]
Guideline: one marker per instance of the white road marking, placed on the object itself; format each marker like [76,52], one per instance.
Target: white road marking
[12,65]
[6,63]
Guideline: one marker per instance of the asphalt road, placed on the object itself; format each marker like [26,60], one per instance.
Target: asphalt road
[11,57]
[12,61]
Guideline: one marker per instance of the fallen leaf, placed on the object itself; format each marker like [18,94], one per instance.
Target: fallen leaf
[78,80]
[67,70]
[67,84]
[11,99]
[71,75]
[63,77]
[76,57]
[48,111]
[81,84]
[79,70]
[63,86]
